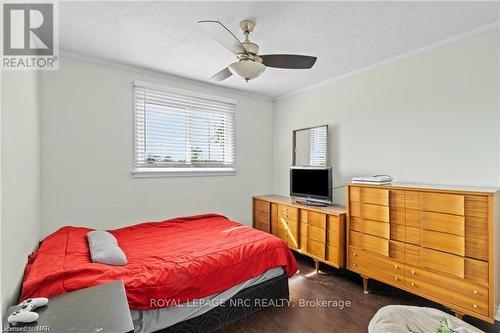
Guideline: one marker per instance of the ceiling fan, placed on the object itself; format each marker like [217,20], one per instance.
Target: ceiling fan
[250,64]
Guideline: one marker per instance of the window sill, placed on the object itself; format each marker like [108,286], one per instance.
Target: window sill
[181,172]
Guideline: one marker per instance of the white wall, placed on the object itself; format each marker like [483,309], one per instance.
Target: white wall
[87,153]
[20,170]
[429,118]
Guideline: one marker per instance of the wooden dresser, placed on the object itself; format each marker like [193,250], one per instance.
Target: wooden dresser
[436,242]
[317,232]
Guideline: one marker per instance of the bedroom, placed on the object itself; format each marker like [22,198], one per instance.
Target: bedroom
[403,92]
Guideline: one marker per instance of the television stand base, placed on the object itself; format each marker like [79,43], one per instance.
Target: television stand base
[312,203]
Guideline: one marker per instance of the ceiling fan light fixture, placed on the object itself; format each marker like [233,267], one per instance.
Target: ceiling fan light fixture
[247,69]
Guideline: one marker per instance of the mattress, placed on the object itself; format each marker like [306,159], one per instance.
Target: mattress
[182,259]
[153,320]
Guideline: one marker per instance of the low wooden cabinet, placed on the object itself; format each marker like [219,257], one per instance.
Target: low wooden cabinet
[317,232]
[434,242]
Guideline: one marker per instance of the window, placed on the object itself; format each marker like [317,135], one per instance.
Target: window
[182,133]
[317,151]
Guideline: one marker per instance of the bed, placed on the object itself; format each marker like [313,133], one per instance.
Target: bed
[171,264]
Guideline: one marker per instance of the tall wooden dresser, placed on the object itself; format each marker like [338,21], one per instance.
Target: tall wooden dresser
[317,232]
[436,242]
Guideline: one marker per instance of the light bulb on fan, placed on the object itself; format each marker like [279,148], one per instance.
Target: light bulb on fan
[247,69]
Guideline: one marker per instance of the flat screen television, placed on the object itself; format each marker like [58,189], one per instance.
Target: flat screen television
[312,185]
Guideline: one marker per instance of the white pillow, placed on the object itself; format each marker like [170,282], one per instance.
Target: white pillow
[104,248]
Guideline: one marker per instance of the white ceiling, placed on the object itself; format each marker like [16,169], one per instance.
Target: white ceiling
[345,36]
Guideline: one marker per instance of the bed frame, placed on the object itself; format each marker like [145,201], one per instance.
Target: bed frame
[275,289]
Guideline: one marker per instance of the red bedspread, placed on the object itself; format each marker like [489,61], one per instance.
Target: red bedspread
[179,260]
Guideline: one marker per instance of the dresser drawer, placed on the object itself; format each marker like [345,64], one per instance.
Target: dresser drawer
[354,209]
[413,217]
[476,237]
[262,216]
[316,248]
[397,251]
[376,267]
[452,224]
[261,205]
[443,203]
[262,226]
[477,271]
[413,200]
[442,262]
[332,254]
[293,224]
[374,196]
[317,219]
[467,303]
[412,235]
[398,232]
[437,291]
[354,194]
[316,234]
[375,228]
[332,222]
[290,213]
[292,242]
[375,212]
[289,227]
[453,285]
[443,242]
[282,234]
[397,215]
[412,254]
[369,243]
[397,198]
[477,206]
[332,238]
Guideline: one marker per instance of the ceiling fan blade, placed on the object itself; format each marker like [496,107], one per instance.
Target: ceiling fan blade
[222,75]
[292,61]
[220,33]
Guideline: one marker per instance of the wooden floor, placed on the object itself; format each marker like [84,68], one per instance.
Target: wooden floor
[338,285]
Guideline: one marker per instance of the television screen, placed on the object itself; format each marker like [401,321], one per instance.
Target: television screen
[311,182]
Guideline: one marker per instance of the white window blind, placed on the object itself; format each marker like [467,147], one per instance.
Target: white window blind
[317,151]
[182,130]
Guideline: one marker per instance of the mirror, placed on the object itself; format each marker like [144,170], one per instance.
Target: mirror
[310,146]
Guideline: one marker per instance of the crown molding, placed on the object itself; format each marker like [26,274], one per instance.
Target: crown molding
[418,51]
[158,74]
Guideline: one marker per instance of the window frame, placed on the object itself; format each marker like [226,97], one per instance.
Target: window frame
[181,171]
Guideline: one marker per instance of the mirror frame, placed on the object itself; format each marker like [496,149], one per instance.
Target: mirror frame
[294,144]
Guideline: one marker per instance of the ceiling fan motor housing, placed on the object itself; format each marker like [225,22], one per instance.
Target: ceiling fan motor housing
[251,48]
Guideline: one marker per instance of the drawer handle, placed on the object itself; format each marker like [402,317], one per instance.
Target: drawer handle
[396,266]
[413,272]
[413,284]
[474,305]
[396,278]
[355,265]
[355,254]
[475,292]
